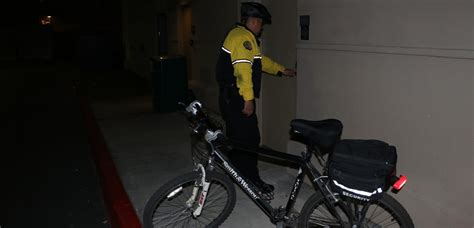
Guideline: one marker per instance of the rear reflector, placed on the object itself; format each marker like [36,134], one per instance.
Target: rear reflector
[400,182]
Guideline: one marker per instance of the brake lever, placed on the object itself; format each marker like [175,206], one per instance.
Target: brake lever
[183,105]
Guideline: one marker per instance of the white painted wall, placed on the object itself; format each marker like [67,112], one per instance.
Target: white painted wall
[399,71]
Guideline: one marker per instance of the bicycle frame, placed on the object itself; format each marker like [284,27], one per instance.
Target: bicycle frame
[304,168]
[355,215]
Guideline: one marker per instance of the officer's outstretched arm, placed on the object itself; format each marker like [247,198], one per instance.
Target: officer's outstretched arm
[271,67]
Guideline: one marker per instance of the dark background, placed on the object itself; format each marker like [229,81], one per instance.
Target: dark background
[47,171]
[84,32]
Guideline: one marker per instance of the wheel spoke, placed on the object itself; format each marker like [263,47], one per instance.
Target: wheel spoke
[322,217]
[386,212]
[169,219]
[175,211]
[380,217]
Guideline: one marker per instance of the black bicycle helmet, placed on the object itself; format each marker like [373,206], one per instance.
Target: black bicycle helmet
[254,9]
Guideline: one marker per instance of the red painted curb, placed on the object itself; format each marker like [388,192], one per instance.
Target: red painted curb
[120,210]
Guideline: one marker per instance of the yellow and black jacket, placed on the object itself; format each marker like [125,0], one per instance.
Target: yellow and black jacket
[240,63]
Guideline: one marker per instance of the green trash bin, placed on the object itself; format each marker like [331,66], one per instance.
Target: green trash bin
[170,83]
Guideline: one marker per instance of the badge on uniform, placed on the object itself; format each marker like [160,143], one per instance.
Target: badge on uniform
[248,45]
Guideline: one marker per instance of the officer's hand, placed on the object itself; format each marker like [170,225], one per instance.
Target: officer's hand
[289,72]
[248,108]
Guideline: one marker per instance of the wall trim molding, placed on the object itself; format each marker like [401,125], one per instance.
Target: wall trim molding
[450,53]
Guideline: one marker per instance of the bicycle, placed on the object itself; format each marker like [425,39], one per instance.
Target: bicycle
[206,196]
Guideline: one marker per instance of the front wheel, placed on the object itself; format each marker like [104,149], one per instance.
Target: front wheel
[386,212]
[171,206]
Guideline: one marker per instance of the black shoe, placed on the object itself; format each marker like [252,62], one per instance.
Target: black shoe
[266,190]
[264,187]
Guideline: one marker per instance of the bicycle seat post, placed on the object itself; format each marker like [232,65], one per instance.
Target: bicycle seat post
[306,154]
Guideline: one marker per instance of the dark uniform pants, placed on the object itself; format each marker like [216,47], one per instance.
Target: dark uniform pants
[240,129]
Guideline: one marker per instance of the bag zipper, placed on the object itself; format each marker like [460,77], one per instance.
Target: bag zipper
[349,157]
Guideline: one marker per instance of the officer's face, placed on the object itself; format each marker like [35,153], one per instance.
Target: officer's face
[256,25]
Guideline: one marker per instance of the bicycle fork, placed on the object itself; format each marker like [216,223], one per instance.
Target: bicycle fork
[202,197]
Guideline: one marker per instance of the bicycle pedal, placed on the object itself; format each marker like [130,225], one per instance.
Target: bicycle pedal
[267,196]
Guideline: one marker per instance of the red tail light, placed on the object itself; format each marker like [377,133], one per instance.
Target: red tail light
[402,180]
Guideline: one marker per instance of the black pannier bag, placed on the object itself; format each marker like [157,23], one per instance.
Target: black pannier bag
[361,169]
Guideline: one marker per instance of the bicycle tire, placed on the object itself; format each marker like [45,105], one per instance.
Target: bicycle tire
[157,215]
[316,214]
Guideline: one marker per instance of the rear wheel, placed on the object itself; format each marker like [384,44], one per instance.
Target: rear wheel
[170,206]
[386,212]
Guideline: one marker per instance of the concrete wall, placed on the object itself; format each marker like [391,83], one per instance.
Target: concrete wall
[278,96]
[139,35]
[399,71]
[140,32]
[211,26]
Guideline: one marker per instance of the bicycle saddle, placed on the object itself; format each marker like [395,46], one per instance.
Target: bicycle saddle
[323,133]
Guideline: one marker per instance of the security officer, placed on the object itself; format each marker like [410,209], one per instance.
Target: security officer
[238,72]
